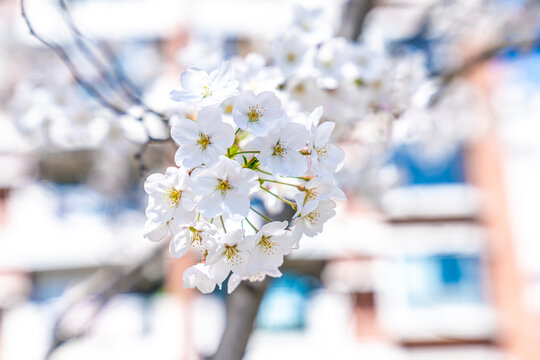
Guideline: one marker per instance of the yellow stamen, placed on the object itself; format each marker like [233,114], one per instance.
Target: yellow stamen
[206,92]
[231,253]
[278,150]
[311,194]
[291,57]
[313,217]
[254,114]
[173,195]
[322,152]
[268,245]
[300,89]
[203,141]
[196,237]
[223,186]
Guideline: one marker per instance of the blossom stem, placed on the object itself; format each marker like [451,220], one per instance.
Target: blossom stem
[281,182]
[247,152]
[250,224]
[264,172]
[222,224]
[291,204]
[261,215]
[300,177]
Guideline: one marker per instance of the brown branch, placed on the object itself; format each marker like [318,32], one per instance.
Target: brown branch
[242,307]
[63,55]
[110,77]
[447,78]
[116,79]
[104,286]
[354,17]
[139,155]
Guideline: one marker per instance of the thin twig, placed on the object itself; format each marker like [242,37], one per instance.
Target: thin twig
[250,224]
[62,53]
[261,215]
[115,78]
[139,155]
[447,78]
[291,204]
[122,280]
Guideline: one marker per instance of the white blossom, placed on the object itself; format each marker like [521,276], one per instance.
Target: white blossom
[311,216]
[203,89]
[320,189]
[170,196]
[291,53]
[230,254]
[198,276]
[200,235]
[257,113]
[254,75]
[330,61]
[224,188]
[271,243]
[202,141]
[312,22]
[325,158]
[280,150]
[155,230]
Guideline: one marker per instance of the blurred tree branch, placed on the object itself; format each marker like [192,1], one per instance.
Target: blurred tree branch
[354,16]
[448,77]
[242,308]
[66,59]
[116,79]
[103,286]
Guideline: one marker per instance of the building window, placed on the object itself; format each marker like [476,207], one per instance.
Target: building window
[444,279]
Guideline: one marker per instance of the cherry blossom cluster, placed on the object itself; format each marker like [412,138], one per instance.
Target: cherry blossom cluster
[362,87]
[237,148]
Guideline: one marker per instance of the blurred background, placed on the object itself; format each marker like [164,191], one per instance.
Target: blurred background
[435,255]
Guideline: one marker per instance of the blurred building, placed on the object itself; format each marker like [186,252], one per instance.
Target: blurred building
[446,268]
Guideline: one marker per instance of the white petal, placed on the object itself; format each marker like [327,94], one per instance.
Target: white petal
[180,244]
[155,231]
[323,132]
[234,281]
[184,216]
[185,131]
[208,118]
[297,164]
[237,204]
[184,96]
[274,227]
[211,205]
[193,80]
[296,135]
[315,116]
[198,276]
[219,271]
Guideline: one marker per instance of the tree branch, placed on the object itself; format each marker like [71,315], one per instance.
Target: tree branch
[104,286]
[242,307]
[354,16]
[116,79]
[447,78]
[62,53]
